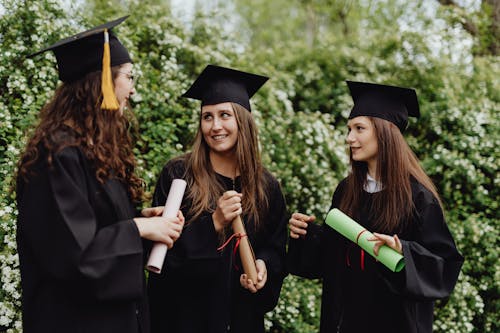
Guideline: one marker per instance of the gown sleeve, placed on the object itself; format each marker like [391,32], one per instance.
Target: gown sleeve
[60,228]
[272,248]
[432,261]
[305,255]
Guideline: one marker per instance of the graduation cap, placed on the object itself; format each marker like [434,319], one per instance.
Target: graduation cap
[89,51]
[391,103]
[219,84]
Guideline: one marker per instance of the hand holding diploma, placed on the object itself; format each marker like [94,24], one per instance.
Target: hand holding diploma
[172,205]
[253,286]
[155,227]
[369,242]
[246,253]
[228,212]
[391,241]
[228,208]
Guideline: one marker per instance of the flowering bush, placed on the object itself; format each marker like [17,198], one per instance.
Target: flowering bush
[24,87]
[301,115]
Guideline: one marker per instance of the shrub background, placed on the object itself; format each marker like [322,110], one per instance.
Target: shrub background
[301,112]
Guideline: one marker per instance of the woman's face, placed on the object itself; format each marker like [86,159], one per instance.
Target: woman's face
[124,85]
[219,127]
[362,140]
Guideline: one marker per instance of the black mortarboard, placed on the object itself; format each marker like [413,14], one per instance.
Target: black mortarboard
[219,84]
[83,53]
[391,103]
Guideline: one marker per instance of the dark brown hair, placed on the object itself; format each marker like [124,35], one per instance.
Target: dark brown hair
[102,135]
[396,164]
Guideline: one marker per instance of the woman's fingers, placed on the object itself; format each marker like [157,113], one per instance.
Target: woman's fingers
[180,216]
[230,215]
[377,245]
[296,232]
[243,280]
[398,245]
[391,241]
[261,274]
[169,242]
[248,284]
[230,194]
[229,209]
[298,224]
[152,211]
[229,198]
[229,206]
[159,229]
[303,217]
[254,286]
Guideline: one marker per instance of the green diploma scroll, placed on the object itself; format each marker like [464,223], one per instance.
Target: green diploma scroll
[350,229]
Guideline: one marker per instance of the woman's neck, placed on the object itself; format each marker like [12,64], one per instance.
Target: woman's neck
[225,165]
[372,169]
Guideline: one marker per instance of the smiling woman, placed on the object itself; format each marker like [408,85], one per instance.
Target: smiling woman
[226,179]
[219,128]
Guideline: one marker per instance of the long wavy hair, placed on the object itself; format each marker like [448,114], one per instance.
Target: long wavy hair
[204,189]
[396,164]
[103,136]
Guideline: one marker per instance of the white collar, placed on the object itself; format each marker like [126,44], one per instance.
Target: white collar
[371,185]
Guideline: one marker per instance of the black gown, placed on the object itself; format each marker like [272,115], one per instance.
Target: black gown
[199,289]
[362,295]
[80,254]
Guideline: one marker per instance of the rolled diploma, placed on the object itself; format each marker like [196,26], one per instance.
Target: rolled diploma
[172,205]
[245,249]
[350,229]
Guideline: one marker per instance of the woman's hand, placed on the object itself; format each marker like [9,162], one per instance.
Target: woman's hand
[228,207]
[261,278]
[391,241]
[160,229]
[152,211]
[298,224]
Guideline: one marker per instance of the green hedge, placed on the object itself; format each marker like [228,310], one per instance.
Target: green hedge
[301,115]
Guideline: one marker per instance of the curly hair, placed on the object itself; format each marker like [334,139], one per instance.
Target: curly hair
[102,135]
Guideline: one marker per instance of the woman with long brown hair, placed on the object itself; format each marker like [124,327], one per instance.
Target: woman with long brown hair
[202,287]
[79,240]
[388,193]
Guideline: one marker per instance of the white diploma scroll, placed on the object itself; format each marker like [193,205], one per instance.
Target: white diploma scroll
[174,200]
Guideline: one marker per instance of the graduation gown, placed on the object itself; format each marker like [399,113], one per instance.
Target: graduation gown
[198,290]
[362,295]
[81,256]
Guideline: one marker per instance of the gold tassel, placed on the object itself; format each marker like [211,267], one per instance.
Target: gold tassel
[109,101]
